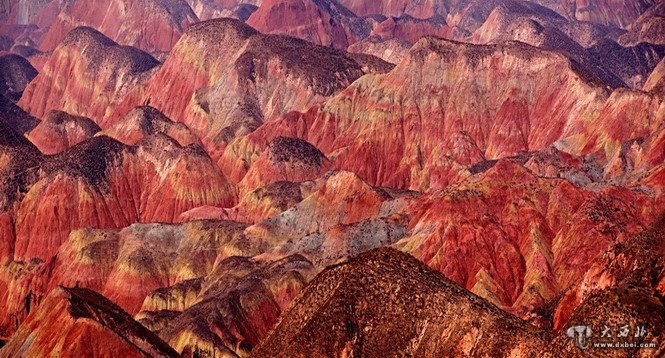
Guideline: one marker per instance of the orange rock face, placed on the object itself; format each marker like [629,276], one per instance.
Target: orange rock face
[226,197]
[437,115]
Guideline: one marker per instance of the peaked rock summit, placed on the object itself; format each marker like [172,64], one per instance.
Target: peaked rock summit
[81,322]
[421,314]
[95,73]
[151,25]
[59,131]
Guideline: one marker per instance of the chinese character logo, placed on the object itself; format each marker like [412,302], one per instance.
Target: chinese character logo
[580,334]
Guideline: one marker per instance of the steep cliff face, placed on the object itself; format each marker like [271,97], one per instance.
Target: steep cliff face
[70,319]
[60,130]
[85,75]
[655,83]
[649,27]
[153,26]
[421,9]
[608,12]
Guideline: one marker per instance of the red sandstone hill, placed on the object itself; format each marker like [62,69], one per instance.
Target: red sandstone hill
[616,65]
[92,67]
[79,322]
[151,25]
[385,302]
[535,177]
[421,9]
[103,183]
[223,79]
[323,22]
[422,314]
[455,108]
[59,131]
[145,121]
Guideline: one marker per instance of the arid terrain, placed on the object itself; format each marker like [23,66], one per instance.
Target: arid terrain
[332,178]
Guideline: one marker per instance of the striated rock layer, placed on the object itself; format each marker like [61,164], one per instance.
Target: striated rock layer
[75,322]
[59,131]
[86,74]
[151,25]
[223,79]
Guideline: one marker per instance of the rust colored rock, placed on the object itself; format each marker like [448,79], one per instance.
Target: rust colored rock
[469,117]
[59,131]
[656,81]
[151,25]
[286,159]
[96,71]
[223,79]
[239,302]
[69,320]
[322,22]
[102,183]
[145,121]
[340,308]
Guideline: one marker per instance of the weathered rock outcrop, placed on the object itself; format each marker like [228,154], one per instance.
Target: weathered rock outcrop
[60,130]
[145,121]
[448,121]
[15,74]
[323,22]
[385,302]
[151,25]
[104,184]
[85,75]
[223,79]
[76,322]
[423,314]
